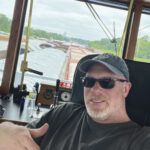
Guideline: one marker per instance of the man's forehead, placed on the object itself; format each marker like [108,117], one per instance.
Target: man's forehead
[98,68]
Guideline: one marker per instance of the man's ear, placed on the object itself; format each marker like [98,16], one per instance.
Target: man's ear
[127,87]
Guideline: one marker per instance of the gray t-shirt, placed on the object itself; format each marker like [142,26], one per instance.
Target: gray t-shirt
[72,129]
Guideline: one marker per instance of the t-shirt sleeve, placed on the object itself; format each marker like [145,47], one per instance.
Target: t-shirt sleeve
[54,117]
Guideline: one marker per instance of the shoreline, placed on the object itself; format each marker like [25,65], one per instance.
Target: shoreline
[4,37]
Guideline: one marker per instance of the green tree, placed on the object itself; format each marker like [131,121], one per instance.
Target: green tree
[143,47]
[5,23]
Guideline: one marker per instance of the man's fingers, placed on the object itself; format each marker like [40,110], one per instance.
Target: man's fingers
[30,144]
[16,137]
[35,133]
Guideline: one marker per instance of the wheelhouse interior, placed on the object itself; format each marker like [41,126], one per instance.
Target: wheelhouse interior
[33,42]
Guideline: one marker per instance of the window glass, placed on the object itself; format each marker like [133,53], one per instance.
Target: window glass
[6,14]
[142,52]
[62,32]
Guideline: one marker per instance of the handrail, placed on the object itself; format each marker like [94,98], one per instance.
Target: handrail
[24,65]
[125,28]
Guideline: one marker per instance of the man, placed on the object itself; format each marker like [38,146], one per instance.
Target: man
[106,104]
[102,124]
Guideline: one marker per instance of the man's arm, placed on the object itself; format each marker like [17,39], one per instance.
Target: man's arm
[16,137]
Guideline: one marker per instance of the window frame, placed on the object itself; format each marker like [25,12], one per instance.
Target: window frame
[13,46]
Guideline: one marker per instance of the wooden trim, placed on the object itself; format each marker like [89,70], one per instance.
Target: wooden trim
[12,47]
[19,44]
[126,42]
[13,121]
[134,31]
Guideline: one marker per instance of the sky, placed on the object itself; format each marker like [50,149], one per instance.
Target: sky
[72,18]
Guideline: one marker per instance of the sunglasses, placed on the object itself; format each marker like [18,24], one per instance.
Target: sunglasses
[106,83]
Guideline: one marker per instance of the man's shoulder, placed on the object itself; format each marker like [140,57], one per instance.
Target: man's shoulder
[59,114]
[72,105]
[69,107]
[64,112]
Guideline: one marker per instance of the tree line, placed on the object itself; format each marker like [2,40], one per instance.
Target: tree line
[5,23]
[142,46]
[104,44]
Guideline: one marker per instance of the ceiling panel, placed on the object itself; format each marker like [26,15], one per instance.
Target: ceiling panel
[117,2]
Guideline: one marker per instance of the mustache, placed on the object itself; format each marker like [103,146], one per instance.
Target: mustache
[100,97]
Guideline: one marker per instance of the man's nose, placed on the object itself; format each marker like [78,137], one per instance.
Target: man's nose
[97,87]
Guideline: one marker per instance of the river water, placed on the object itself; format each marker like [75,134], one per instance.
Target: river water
[49,61]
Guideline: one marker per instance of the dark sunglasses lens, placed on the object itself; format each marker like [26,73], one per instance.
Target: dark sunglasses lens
[89,82]
[107,83]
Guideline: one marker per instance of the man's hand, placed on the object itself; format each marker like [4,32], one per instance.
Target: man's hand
[35,133]
[14,137]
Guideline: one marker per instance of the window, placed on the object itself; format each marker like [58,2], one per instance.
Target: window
[142,52]
[62,32]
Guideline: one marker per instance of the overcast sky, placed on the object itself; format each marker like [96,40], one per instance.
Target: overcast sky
[73,18]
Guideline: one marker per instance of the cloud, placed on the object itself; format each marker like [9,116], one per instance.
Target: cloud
[72,17]
[6,7]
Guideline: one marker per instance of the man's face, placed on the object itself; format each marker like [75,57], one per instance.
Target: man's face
[104,105]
